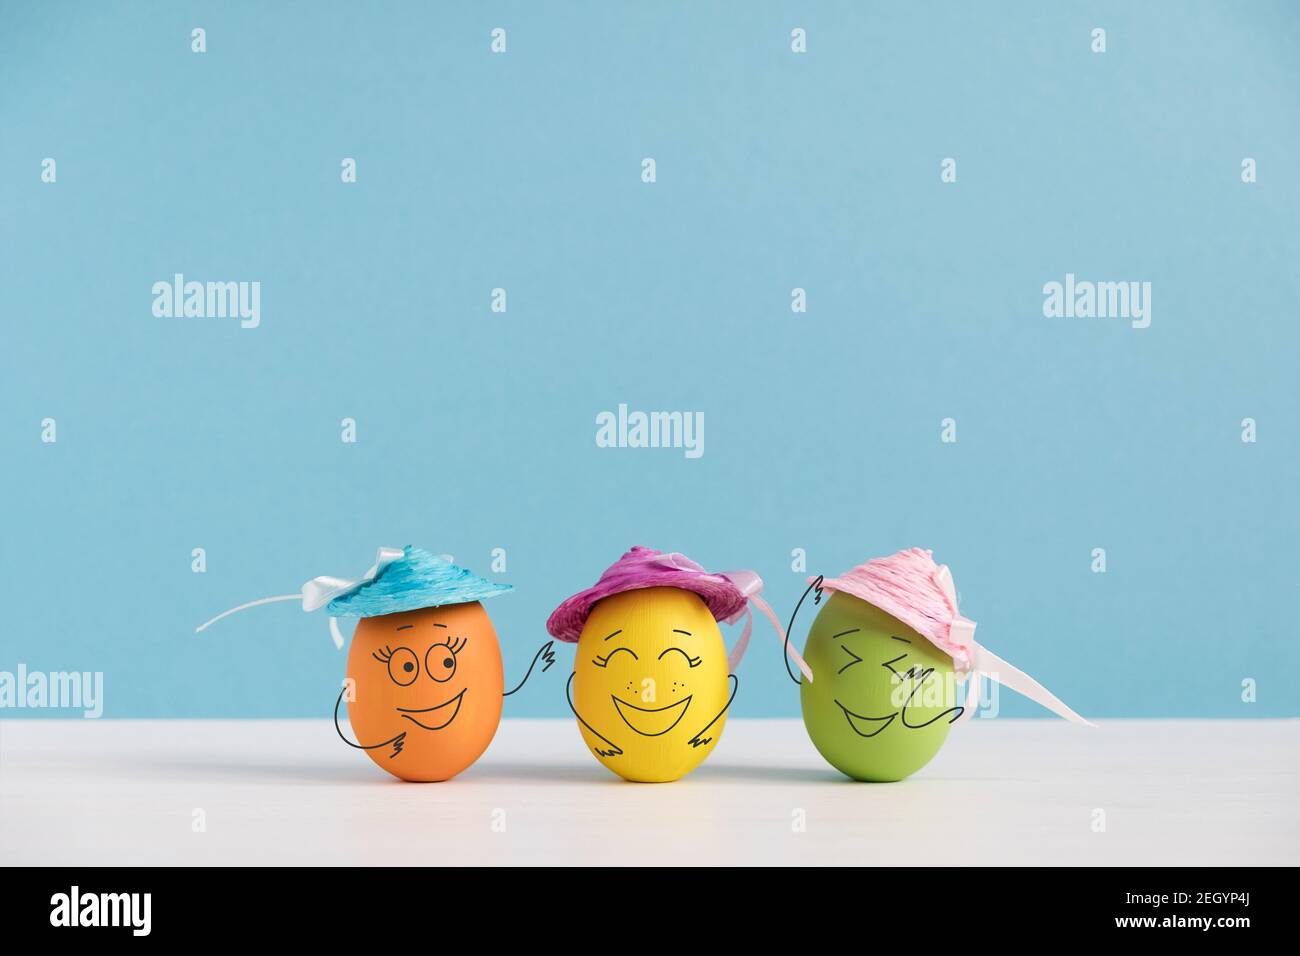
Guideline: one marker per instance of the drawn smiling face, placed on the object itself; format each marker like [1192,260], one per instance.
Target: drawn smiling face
[435,673]
[883,698]
[650,673]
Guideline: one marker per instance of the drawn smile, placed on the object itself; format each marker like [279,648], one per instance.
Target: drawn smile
[656,721]
[408,711]
[865,726]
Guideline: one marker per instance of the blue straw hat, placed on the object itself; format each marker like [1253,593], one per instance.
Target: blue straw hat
[417,579]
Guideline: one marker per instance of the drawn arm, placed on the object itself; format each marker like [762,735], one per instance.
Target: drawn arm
[397,741]
[917,681]
[615,750]
[546,653]
[785,650]
[699,740]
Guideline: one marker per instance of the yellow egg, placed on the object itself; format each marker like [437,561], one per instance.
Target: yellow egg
[651,684]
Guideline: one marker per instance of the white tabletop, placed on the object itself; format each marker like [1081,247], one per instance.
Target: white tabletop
[1001,791]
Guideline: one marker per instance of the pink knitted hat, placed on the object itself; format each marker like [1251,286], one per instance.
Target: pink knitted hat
[911,587]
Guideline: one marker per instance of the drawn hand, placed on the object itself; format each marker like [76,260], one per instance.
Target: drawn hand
[699,740]
[546,654]
[397,741]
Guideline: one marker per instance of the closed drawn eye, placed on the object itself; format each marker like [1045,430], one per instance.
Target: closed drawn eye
[856,659]
[602,660]
[889,666]
[692,661]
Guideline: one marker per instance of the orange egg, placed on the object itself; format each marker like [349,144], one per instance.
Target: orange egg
[426,689]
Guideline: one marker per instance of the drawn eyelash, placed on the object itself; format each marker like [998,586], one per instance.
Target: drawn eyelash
[458,644]
[691,661]
[383,655]
[601,661]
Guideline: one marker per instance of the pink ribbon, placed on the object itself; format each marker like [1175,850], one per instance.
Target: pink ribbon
[751,586]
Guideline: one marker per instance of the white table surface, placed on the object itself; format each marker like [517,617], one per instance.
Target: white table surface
[1001,791]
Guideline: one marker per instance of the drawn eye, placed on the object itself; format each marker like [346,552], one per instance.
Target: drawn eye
[600,661]
[889,666]
[440,660]
[692,661]
[855,659]
[403,665]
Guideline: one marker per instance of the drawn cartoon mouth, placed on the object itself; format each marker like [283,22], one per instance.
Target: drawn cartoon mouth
[656,721]
[408,711]
[866,726]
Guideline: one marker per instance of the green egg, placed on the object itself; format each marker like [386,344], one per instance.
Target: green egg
[883,697]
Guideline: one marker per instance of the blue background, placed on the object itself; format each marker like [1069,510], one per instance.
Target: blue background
[775,170]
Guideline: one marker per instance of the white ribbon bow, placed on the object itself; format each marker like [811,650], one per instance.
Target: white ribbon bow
[318,592]
[984,663]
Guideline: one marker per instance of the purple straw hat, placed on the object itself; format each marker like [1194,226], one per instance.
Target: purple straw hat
[727,596]
[648,568]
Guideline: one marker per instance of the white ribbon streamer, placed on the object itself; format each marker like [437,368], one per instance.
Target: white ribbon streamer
[984,663]
[319,591]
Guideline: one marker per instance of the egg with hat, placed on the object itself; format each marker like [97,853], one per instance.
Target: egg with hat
[886,650]
[652,679]
[425,681]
